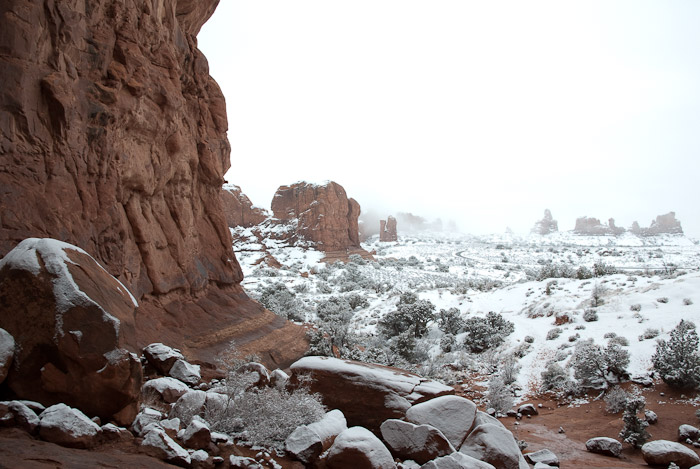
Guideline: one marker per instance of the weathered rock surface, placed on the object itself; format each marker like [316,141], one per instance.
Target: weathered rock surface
[547,225]
[238,208]
[143,419]
[325,214]
[452,415]
[543,456]
[24,417]
[456,461]
[593,227]
[168,390]
[160,445]
[665,224]
[495,445]
[66,426]
[358,447]
[73,324]
[7,352]
[161,357]
[387,230]
[307,442]
[419,443]
[185,372]
[367,394]
[688,432]
[197,435]
[664,452]
[605,446]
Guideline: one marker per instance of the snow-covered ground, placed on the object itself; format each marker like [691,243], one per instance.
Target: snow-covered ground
[658,284]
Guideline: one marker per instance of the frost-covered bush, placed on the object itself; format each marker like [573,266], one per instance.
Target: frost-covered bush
[280,300]
[529,339]
[553,333]
[601,269]
[332,307]
[554,377]
[499,395]
[634,431]
[609,335]
[356,259]
[636,307]
[649,333]
[487,332]
[619,340]
[509,369]
[583,273]
[616,400]
[450,321]
[597,295]
[595,366]
[410,313]
[554,271]
[677,359]
[447,343]
[687,301]
[663,300]
[590,315]
[356,301]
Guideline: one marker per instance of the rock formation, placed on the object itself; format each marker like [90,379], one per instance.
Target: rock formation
[238,208]
[387,230]
[547,225]
[664,224]
[589,226]
[113,138]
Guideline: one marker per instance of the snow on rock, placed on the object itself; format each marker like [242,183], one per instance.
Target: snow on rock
[66,426]
[240,462]
[456,461]
[543,456]
[420,443]
[278,378]
[527,409]
[199,456]
[73,324]
[358,447]
[307,442]
[162,357]
[367,394]
[197,435]
[144,418]
[168,389]
[160,445]
[258,369]
[664,452]
[191,403]
[688,432]
[452,415]
[185,372]
[605,446]
[494,444]
[7,351]
[111,432]
[25,418]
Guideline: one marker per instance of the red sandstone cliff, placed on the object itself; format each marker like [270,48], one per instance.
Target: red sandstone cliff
[238,208]
[113,138]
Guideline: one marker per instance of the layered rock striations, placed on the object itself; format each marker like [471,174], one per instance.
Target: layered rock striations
[113,139]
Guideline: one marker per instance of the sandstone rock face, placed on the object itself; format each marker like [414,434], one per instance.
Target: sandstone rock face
[7,352]
[663,453]
[367,394]
[387,230]
[307,442]
[73,324]
[665,224]
[494,444]
[325,214]
[547,225]
[591,227]
[238,208]
[453,415]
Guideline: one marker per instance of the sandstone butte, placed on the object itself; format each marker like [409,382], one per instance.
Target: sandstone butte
[113,139]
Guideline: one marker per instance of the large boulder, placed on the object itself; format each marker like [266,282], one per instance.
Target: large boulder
[185,372]
[664,452]
[238,208]
[7,351]
[307,442]
[73,325]
[452,415]
[456,461]
[66,426]
[358,447]
[688,432]
[160,445]
[495,445]
[197,435]
[161,357]
[419,443]
[367,394]
[169,390]
[543,456]
[605,446]
[24,417]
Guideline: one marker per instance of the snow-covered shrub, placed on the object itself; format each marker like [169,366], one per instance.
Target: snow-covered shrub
[649,333]
[663,300]
[450,321]
[509,369]
[597,295]
[634,431]
[601,269]
[616,400]
[334,306]
[636,307]
[301,288]
[356,259]
[590,315]
[609,335]
[687,301]
[499,395]
[410,313]
[553,333]
[529,339]
[619,340]
[488,332]
[554,377]
[356,300]
[595,366]
[280,300]
[574,338]
[583,273]
[677,359]
[447,342]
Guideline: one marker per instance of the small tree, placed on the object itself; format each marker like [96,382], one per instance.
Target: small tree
[486,333]
[677,359]
[635,430]
[554,377]
[410,313]
[594,366]
[450,321]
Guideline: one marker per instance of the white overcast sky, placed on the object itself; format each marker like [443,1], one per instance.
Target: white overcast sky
[483,112]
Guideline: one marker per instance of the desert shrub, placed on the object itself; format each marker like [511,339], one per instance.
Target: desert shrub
[616,400]
[553,270]
[619,340]
[597,295]
[663,300]
[583,273]
[553,333]
[509,369]
[687,301]
[410,313]
[333,306]
[595,366]
[574,338]
[634,431]
[450,321]
[280,300]
[554,377]
[601,269]
[356,259]
[301,287]
[487,332]
[529,339]
[356,300]
[447,342]
[498,395]
[677,359]
[609,335]
[590,315]
[636,307]
[649,333]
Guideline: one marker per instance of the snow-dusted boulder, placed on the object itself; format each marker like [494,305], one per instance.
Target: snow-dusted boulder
[358,447]
[25,418]
[543,456]
[161,357]
[307,442]
[456,461]
[240,462]
[278,378]
[160,445]
[452,415]
[258,369]
[185,372]
[688,432]
[651,417]
[664,452]
[197,435]
[420,443]
[111,432]
[144,418]
[527,409]
[168,390]
[171,426]
[200,459]
[7,351]
[66,426]
[73,325]
[496,445]
[605,446]
[367,394]
[191,403]
[482,417]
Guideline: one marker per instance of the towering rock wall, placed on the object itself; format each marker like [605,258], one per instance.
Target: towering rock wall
[113,139]
[387,230]
[238,208]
